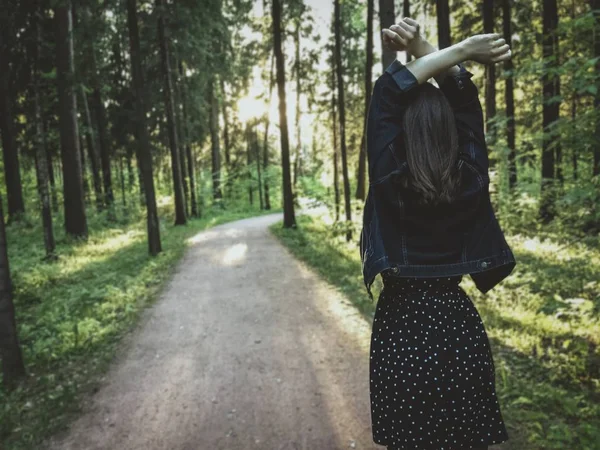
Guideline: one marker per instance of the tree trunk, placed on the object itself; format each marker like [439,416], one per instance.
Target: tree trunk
[188,144]
[362,156]
[104,142]
[143,153]
[226,143]
[266,140]
[257,156]
[490,74]
[443,23]
[298,110]
[342,112]
[248,135]
[12,174]
[510,99]
[182,138]
[180,218]
[75,218]
[551,88]
[336,183]
[53,194]
[41,166]
[387,17]
[406,13]
[93,153]
[289,219]
[595,5]
[214,135]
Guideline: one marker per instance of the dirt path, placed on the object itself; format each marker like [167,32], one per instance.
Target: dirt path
[245,349]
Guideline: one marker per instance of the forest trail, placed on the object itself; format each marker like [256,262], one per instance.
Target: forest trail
[246,348]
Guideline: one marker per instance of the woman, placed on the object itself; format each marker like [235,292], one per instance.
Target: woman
[428,221]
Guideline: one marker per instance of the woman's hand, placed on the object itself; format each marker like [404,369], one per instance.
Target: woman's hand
[405,35]
[488,48]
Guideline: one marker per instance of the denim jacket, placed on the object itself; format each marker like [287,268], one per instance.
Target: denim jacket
[405,239]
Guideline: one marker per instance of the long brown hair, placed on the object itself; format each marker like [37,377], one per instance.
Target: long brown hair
[431,142]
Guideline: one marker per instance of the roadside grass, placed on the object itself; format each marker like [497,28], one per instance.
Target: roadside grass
[72,313]
[542,321]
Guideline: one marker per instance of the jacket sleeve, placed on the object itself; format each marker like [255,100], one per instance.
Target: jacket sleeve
[463,96]
[384,122]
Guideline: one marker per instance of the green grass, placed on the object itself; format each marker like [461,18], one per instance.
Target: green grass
[72,313]
[542,321]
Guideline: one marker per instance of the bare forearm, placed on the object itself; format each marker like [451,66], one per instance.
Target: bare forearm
[424,48]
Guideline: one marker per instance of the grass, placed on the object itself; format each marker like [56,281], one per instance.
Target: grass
[72,313]
[542,321]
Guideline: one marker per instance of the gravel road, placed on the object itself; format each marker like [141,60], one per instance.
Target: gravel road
[245,349]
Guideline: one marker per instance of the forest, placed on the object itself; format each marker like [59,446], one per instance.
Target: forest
[128,126]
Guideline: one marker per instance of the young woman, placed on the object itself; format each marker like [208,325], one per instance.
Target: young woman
[428,221]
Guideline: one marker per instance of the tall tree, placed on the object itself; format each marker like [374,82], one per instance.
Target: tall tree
[595,5]
[336,177]
[75,218]
[92,150]
[297,163]
[387,17]
[443,23]
[41,162]
[510,98]
[13,368]
[342,113]
[551,107]
[214,136]
[180,218]
[187,142]
[362,156]
[12,173]
[289,219]
[143,151]
[266,139]
[490,72]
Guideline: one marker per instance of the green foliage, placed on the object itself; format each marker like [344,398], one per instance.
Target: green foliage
[542,322]
[72,313]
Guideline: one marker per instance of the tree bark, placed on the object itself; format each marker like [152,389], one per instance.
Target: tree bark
[143,152]
[266,140]
[180,218]
[443,23]
[12,173]
[41,166]
[387,17]
[93,152]
[490,74]
[510,99]
[595,5]
[257,156]
[406,13]
[342,112]
[336,183]
[75,218]
[551,88]
[297,163]
[214,134]
[362,156]
[289,219]
[188,144]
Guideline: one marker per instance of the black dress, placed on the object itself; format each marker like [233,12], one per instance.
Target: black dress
[432,378]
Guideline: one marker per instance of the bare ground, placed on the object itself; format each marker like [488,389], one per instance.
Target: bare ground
[245,349]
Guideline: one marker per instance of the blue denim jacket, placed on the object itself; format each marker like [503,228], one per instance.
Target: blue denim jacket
[404,239]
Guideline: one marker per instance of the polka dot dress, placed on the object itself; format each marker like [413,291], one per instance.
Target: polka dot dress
[432,378]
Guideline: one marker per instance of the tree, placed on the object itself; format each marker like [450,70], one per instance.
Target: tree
[75,218]
[342,113]
[289,219]
[13,368]
[362,156]
[551,107]
[595,5]
[143,149]
[180,218]
[12,172]
[41,162]
[443,23]
[214,136]
[510,99]
[490,72]
[387,17]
